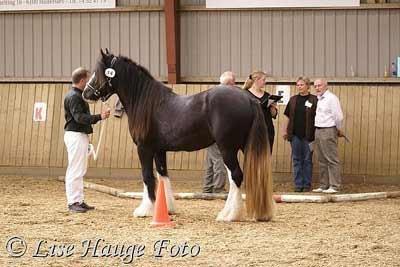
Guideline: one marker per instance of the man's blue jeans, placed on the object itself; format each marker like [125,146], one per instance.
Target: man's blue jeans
[302,163]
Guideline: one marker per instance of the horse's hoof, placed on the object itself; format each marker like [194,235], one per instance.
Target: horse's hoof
[222,215]
[229,216]
[171,212]
[220,218]
[263,219]
[141,213]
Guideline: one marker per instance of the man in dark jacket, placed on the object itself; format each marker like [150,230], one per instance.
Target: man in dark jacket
[300,133]
[78,125]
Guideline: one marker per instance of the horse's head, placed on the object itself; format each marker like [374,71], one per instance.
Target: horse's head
[103,81]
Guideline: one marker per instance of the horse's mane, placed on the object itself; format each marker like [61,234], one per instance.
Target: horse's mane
[144,95]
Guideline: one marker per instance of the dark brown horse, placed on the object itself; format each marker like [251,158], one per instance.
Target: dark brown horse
[160,121]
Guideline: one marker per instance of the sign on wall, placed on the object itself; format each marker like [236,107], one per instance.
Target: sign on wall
[39,111]
[283,90]
[279,3]
[9,5]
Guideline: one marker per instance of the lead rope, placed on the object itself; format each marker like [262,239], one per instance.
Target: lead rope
[95,152]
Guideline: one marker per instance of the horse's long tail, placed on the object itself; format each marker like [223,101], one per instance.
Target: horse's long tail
[257,170]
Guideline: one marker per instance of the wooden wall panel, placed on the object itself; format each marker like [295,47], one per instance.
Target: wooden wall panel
[15,117]
[22,125]
[288,43]
[9,125]
[36,127]
[19,45]
[365,120]
[255,39]
[9,41]
[309,43]
[394,40]
[383,39]
[320,44]
[30,89]
[2,46]
[58,117]
[66,45]
[217,50]
[351,45]
[395,134]
[203,40]
[379,136]
[373,128]
[387,129]
[41,147]
[298,44]
[277,48]
[248,36]
[373,43]
[144,39]
[115,34]
[154,44]
[340,47]
[4,92]
[235,42]
[356,130]
[47,45]
[47,42]
[28,46]
[56,40]
[329,43]
[285,43]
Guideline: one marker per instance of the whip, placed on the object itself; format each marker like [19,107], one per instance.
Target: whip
[91,150]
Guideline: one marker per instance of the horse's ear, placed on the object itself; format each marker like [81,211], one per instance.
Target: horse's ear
[102,53]
[107,52]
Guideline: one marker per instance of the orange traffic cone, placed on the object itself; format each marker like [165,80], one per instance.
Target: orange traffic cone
[161,217]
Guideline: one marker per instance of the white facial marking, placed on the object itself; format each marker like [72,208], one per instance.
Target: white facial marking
[110,73]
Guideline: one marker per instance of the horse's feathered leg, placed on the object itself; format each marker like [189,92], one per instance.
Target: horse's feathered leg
[234,208]
[161,166]
[146,206]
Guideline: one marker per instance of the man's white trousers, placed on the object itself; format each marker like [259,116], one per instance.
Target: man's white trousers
[77,147]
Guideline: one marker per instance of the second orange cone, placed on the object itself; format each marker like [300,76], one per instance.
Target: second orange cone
[161,217]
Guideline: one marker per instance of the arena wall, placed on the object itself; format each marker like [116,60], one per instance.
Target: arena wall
[337,43]
[372,123]
[352,47]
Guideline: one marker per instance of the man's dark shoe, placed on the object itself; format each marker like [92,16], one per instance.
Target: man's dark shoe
[298,190]
[86,206]
[76,207]
[221,191]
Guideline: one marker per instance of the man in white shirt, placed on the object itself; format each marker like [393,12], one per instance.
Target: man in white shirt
[328,124]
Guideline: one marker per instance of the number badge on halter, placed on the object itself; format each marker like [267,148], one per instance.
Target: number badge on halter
[110,73]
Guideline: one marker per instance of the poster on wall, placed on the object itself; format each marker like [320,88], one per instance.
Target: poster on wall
[14,5]
[279,3]
[283,90]
[39,111]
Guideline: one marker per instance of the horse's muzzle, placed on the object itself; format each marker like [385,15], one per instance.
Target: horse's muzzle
[89,95]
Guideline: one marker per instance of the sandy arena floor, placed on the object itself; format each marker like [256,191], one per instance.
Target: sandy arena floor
[332,234]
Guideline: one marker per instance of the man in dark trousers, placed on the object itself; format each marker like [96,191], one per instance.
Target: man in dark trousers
[78,125]
[214,180]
